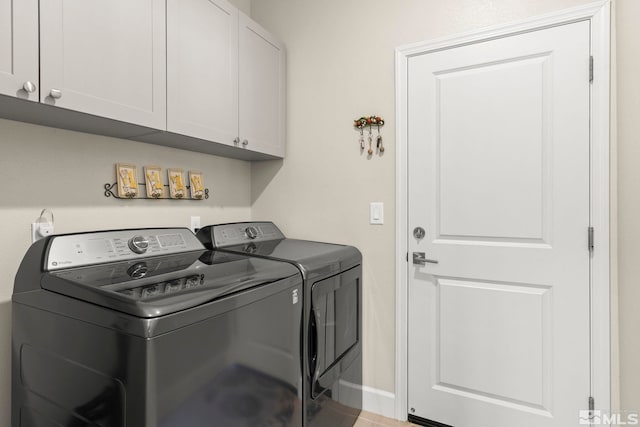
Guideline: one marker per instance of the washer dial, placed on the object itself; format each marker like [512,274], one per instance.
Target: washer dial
[138,244]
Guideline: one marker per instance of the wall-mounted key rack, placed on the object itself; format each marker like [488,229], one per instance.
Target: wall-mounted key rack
[369,123]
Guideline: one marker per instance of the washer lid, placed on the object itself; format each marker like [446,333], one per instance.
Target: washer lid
[157,286]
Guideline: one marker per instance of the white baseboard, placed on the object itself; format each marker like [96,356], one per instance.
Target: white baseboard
[379,402]
[373,400]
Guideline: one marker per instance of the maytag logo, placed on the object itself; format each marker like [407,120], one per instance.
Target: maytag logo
[607,418]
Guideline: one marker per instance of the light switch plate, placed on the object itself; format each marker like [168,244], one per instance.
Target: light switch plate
[376,213]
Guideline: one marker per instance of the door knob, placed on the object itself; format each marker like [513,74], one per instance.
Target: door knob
[245,142]
[419,258]
[55,93]
[419,233]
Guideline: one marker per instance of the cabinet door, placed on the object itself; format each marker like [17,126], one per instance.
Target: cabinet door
[262,89]
[19,48]
[105,57]
[202,69]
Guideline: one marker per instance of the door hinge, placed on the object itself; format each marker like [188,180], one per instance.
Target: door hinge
[590,239]
[407,257]
[590,69]
[592,404]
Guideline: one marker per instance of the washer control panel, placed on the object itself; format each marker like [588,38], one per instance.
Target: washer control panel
[76,250]
[243,232]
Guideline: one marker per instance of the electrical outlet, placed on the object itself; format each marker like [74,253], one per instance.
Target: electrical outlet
[40,230]
[195,223]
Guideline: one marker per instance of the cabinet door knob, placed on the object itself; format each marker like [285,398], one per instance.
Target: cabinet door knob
[236,140]
[29,86]
[55,93]
[245,142]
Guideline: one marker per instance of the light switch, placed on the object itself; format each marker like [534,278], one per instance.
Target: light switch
[376,213]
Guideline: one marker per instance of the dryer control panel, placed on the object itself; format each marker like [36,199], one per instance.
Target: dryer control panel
[239,233]
[76,250]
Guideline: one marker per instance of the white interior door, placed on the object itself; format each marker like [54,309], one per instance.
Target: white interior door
[498,147]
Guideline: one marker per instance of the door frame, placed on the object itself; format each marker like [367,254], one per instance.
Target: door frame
[598,13]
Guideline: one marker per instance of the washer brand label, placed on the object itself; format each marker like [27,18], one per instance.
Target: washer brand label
[294,296]
[56,263]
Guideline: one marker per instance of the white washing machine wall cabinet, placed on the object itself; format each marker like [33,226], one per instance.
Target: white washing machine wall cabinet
[147,328]
[332,319]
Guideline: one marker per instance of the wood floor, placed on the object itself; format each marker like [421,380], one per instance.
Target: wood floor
[367,419]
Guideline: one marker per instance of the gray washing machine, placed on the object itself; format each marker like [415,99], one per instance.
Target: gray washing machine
[147,328]
[332,319]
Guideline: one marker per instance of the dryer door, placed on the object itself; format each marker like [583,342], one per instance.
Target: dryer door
[334,328]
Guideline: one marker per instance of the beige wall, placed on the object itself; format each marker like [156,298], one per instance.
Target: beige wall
[628,106]
[341,66]
[243,5]
[65,172]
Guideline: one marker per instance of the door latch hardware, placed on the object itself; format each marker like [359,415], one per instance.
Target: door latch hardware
[419,258]
[419,233]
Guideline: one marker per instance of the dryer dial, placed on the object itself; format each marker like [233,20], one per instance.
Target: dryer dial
[251,232]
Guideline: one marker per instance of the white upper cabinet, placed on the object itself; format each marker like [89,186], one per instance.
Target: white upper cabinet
[106,58]
[225,77]
[192,74]
[262,89]
[19,48]
[202,69]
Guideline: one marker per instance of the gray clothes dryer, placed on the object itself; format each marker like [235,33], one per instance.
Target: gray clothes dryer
[332,318]
[147,328]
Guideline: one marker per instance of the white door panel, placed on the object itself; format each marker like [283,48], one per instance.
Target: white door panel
[202,69]
[498,141]
[19,48]
[472,149]
[261,89]
[106,58]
